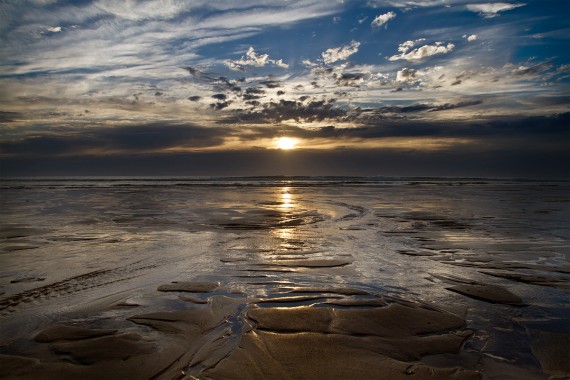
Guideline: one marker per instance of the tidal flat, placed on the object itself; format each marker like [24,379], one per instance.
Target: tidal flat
[284,278]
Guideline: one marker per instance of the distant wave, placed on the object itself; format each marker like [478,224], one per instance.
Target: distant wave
[255,181]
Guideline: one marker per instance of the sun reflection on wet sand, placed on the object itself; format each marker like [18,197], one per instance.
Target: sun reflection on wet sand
[286,198]
[286,205]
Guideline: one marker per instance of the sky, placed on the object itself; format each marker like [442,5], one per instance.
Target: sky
[294,87]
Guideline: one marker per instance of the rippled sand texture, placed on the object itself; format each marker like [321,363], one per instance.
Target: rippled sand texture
[396,280]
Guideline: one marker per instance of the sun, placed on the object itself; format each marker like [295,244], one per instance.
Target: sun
[286,143]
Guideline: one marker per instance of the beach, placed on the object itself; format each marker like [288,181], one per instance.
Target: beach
[284,278]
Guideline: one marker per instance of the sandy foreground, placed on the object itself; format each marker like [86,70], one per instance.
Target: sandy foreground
[374,339]
[283,282]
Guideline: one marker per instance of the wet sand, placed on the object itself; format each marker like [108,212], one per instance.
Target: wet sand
[379,338]
[442,280]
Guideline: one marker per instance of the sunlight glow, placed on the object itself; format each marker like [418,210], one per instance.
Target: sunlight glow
[286,143]
[286,199]
[287,208]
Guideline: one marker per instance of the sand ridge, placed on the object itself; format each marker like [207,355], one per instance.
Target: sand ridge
[377,338]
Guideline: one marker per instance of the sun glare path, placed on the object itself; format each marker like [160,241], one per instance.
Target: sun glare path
[286,143]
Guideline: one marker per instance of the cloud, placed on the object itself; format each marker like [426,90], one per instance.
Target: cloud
[406,75]
[532,70]
[306,109]
[351,79]
[405,46]
[9,116]
[510,146]
[270,83]
[144,138]
[254,59]
[382,112]
[251,58]
[505,161]
[137,38]
[383,19]
[340,53]
[44,2]
[280,63]
[470,38]
[142,10]
[298,111]
[234,66]
[563,69]
[421,52]
[384,123]
[490,10]
[405,4]
[257,60]
[510,86]
[449,106]
[252,93]
[215,81]
[220,105]
[54,29]
[261,13]
[506,132]
[309,63]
